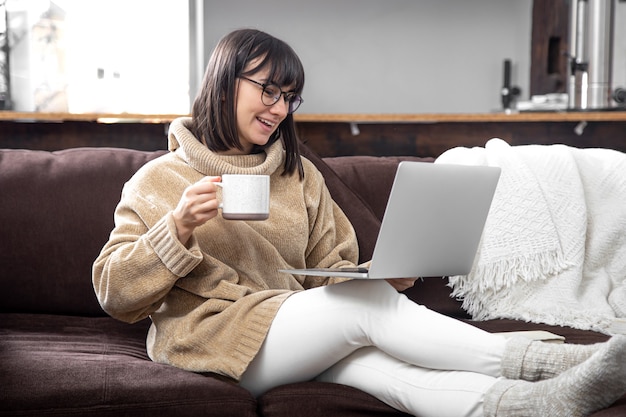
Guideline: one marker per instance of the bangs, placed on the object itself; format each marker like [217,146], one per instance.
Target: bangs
[283,65]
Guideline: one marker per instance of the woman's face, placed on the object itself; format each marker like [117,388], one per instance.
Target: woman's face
[256,122]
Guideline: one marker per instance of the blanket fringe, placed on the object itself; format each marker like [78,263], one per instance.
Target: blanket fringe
[507,272]
[488,279]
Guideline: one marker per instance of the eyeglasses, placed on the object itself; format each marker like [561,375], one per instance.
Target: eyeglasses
[271,94]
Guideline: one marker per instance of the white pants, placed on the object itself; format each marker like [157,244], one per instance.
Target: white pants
[365,334]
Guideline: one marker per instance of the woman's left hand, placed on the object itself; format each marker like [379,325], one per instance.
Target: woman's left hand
[401,284]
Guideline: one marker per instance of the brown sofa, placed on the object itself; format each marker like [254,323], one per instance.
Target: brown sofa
[60,354]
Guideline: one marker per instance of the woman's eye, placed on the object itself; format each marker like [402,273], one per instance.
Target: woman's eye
[272,91]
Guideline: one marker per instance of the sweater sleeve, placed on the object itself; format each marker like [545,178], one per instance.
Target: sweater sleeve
[139,264]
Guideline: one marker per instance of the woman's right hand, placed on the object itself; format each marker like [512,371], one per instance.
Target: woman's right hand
[197,205]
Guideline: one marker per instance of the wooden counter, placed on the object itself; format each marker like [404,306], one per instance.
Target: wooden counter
[332,134]
[432,134]
[465,117]
[588,116]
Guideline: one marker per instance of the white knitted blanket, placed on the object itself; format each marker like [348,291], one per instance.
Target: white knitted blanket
[554,246]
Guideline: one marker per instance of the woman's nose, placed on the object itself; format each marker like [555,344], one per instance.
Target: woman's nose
[280,107]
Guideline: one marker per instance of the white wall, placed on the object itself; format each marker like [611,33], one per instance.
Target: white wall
[392,56]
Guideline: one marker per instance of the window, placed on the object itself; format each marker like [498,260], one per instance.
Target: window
[99,56]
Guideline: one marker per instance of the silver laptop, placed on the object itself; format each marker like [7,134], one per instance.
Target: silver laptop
[432,225]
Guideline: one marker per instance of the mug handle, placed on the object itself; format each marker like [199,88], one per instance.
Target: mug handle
[219,184]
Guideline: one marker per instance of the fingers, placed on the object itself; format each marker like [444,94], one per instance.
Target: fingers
[201,196]
[401,284]
[197,205]
[209,179]
[205,185]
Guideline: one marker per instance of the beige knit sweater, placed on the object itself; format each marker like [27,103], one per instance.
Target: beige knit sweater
[212,301]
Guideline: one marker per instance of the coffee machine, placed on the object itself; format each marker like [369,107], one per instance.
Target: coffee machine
[591,83]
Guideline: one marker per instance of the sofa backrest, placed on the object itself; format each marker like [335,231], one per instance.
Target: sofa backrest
[57,210]
[371,177]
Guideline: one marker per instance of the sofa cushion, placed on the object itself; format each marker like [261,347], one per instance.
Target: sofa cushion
[434,293]
[371,177]
[98,367]
[363,219]
[322,399]
[584,337]
[57,213]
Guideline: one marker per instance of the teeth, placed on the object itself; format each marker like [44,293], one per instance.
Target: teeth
[267,122]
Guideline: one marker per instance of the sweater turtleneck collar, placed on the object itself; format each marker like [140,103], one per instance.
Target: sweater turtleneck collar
[199,157]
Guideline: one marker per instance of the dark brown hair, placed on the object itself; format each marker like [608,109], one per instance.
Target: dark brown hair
[213,111]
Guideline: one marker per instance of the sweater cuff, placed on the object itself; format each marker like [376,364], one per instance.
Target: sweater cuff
[179,259]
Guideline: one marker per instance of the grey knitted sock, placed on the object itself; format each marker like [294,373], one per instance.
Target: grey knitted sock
[593,385]
[535,360]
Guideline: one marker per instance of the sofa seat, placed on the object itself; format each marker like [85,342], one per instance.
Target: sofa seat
[98,366]
[322,399]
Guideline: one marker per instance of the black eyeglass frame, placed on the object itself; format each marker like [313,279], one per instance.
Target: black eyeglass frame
[294,100]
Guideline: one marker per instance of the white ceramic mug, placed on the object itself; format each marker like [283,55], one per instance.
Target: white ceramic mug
[245,197]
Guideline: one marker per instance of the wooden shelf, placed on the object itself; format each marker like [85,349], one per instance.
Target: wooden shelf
[331,134]
[466,117]
[574,116]
[87,117]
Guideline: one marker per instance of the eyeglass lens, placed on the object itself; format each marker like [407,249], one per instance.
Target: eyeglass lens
[271,94]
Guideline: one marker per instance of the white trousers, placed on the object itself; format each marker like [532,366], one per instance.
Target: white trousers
[365,334]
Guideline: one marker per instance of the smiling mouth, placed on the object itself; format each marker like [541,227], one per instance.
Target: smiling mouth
[266,122]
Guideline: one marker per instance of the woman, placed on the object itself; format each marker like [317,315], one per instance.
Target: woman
[218,303]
